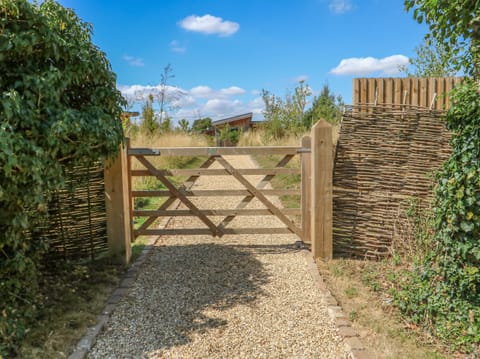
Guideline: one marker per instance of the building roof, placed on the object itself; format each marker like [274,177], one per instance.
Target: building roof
[233,119]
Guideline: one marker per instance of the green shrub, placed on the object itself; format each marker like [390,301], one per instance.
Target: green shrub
[59,107]
[443,292]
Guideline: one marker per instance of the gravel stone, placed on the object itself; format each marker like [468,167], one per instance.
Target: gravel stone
[243,296]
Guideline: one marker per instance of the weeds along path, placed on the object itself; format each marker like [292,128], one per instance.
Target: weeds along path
[243,296]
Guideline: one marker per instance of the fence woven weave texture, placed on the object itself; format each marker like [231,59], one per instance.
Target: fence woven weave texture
[385,156]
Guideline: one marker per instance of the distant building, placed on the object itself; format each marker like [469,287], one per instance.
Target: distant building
[239,123]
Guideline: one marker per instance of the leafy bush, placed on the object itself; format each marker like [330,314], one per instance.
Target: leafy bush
[443,293]
[59,106]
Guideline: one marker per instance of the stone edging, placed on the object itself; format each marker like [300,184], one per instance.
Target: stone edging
[335,312]
[89,339]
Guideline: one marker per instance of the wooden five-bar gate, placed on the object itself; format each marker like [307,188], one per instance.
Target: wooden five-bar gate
[315,226]
[184,192]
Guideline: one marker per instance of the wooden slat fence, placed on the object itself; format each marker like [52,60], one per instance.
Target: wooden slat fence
[412,91]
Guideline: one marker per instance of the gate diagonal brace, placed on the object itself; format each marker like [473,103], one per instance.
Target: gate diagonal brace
[186,186]
[262,184]
[213,228]
[255,192]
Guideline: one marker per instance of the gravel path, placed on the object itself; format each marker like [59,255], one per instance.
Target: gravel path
[247,296]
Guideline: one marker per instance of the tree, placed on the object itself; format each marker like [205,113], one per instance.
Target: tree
[184,125]
[201,125]
[282,115]
[290,114]
[455,25]
[59,107]
[166,125]
[432,60]
[325,106]
[165,99]
[149,124]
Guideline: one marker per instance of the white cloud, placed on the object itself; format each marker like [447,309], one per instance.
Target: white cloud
[134,61]
[368,65]
[140,93]
[176,46]
[340,6]
[209,25]
[206,92]
[199,101]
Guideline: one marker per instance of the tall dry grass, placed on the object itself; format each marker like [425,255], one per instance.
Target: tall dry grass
[259,137]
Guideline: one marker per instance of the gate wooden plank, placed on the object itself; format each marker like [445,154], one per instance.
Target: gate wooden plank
[214,151]
[219,172]
[187,185]
[264,182]
[214,230]
[204,231]
[254,191]
[214,212]
[218,192]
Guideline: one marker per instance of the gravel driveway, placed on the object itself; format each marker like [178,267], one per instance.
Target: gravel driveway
[248,296]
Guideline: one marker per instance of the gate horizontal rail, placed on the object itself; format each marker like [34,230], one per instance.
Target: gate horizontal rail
[217,151]
[218,192]
[217,172]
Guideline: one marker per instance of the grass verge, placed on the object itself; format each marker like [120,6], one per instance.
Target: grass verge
[363,290]
[72,295]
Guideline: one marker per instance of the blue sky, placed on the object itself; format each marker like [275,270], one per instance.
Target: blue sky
[224,52]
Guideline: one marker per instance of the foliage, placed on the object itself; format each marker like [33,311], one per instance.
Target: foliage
[285,115]
[166,125]
[432,60]
[326,106]
[201,125]
[148,123]
[290,114]
[444,291]
[229,135]
[455,24]
[184,125]
[59,106]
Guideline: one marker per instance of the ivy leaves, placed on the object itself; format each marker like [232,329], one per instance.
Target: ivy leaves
[445,292]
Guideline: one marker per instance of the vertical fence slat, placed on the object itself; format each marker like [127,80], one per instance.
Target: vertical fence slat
[404,91]
[306,189]
[321,206]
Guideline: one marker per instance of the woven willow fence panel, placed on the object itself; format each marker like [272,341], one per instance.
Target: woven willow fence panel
[77,227]
[385,156]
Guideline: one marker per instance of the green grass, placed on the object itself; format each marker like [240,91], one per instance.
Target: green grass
[283,181]
[72,297]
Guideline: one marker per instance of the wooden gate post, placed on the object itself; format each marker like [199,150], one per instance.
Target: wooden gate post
[321,205]
[306,164]
[118,207]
